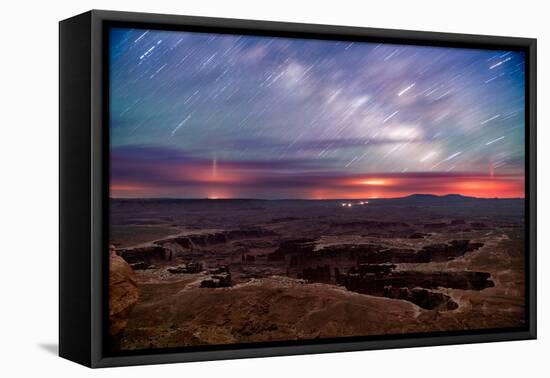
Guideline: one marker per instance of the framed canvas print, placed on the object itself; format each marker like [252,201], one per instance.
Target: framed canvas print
[233,188]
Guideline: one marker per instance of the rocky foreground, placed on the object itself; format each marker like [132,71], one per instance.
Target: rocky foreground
[350,276]
[123,292]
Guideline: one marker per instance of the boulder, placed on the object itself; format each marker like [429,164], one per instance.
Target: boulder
[123,292]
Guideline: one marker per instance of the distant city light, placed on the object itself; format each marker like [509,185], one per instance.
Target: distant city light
[349,204]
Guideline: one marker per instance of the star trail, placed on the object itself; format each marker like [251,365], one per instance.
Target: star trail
[199,115]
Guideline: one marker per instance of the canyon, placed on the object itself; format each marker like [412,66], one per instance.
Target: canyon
[240,271]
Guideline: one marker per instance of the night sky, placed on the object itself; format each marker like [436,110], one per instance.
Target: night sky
[196,115]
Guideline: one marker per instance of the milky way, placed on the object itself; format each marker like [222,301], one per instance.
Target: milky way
[195,115]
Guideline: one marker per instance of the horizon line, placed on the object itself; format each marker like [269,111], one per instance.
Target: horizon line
[310,199]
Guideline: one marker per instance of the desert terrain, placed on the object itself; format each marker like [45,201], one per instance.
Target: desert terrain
[204,272]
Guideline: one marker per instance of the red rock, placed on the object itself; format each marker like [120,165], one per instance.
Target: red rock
[123,292]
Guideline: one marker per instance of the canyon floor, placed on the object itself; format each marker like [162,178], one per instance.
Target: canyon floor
[240,271]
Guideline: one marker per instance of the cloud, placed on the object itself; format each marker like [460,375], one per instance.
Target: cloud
[153,172]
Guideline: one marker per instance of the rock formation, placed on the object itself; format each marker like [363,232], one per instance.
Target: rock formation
[123,292]
[166,250]
[213,238]
[435,226]
[478,225]
[143,256]
[292,247]
[192,267]
[418,235]
[382,280]
[317,274]
[219,277]
[421,297]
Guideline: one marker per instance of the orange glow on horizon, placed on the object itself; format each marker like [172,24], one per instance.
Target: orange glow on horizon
[215,194]
[231,184]
[393,187]
[374,182]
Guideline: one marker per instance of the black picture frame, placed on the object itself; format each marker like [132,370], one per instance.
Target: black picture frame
[84,192]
